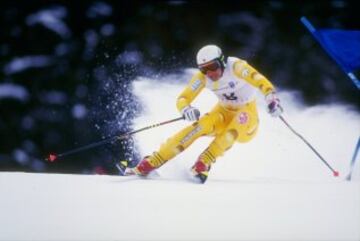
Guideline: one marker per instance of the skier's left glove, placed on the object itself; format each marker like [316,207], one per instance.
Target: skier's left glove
[190,113]
[273,104]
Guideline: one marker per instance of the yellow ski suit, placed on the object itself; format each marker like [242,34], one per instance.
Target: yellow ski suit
[233,118]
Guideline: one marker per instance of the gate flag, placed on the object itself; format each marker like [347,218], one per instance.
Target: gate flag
[342,45]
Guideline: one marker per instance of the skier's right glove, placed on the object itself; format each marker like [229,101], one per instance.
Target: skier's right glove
[190,113]
[273,103]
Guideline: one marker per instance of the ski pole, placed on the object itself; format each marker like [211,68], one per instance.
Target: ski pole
[52,157]
[348,177]
[335,173]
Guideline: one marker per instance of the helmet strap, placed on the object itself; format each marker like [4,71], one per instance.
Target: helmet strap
[222,62]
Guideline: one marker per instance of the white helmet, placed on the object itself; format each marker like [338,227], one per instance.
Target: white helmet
[210,53]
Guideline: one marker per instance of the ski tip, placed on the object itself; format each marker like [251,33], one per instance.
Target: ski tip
[202,177]
[348,177]
[124,163]
[336,173]
[121,166]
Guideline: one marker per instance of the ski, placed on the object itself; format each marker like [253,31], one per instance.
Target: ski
[202,177]
[122,166]
[125,170]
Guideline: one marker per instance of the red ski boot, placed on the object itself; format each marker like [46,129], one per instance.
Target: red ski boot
[143,168]
[200,170]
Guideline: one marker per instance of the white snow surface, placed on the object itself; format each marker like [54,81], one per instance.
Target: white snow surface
[273,188]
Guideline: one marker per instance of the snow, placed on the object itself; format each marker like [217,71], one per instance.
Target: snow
[333,130]
[99,9]
[53,97]
[13,91]
[20,156]
[91,39]
[51,19]
[20,64]
[75,207]
[273,188]
[129,57]
[107,30]
[79,111]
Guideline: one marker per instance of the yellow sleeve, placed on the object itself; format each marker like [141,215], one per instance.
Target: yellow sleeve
[246,72]
[196,84]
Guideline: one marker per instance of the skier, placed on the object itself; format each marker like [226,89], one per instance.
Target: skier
[233,119]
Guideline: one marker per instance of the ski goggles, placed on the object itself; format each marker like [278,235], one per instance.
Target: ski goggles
[210,66]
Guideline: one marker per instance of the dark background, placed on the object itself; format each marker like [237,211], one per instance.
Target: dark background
[66,66]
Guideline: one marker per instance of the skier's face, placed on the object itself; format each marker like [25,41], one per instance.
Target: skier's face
[212,70]
[214,75]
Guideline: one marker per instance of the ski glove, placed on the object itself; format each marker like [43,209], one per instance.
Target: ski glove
[190,113]
[273,104]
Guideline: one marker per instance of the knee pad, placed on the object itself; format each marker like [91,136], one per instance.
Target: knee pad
[227,139]
[223,143]
[230,137]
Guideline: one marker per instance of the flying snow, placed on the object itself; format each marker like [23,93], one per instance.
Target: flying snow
[333,129]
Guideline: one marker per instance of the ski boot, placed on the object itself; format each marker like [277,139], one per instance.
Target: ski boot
[200,170]
[143,168]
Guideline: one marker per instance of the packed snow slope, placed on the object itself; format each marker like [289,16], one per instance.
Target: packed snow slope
[75,207]
[273,188]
